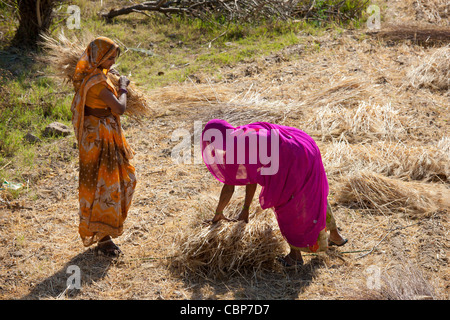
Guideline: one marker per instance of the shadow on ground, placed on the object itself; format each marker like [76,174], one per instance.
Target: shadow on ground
[92,268]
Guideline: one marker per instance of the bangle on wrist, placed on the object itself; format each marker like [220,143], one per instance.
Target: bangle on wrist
[245,207]
[217,213]
[123,90]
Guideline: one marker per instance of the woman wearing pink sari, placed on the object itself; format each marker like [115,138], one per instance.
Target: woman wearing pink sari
[286,162]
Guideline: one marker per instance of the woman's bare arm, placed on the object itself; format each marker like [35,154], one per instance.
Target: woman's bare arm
[117,105]
[224,199]
[250,190]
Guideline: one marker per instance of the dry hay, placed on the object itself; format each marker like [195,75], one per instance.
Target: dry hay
[137,101]
[379,194]
[433,11]
[365,121]
[403,281]
[428,164]
[346,92]
[221,101]
[444,146]
[227,248]
[62,54]
[251,106]
[190,94]
[433,71]
[422,165]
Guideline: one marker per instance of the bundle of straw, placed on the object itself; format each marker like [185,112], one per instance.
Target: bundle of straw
[227,248]
[63,55]
[433,71]
[384,195]
[430,164]
[364,121]
[191,94]
[347,92]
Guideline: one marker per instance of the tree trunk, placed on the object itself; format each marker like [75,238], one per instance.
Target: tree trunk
[35,16]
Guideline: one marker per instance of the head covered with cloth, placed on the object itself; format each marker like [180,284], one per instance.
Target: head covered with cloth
[88,73]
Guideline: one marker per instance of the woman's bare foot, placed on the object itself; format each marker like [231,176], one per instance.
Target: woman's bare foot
[107,247]
[335,239]
[243,216]
[294,258]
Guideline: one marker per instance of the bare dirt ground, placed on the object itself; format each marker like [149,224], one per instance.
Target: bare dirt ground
[352,93]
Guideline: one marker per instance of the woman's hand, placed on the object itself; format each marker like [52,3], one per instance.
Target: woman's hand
[124,82]
[217,218]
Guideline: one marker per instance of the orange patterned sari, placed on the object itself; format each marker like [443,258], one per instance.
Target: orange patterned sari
[106,177]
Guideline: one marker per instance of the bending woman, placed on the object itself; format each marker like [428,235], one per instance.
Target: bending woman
[106,177]
[287,163]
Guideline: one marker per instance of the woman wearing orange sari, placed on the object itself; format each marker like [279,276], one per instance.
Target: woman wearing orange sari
[106,177]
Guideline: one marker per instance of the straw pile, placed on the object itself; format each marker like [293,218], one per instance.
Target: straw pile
[226,248]
[346,92]
[252,106]
[190,94]
[433,11]
[431,164]
[379,194]
[63,55]
[433,72]
[366,120]
[426,166]
[444,146]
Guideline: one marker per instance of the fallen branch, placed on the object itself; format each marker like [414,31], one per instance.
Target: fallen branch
[159,6]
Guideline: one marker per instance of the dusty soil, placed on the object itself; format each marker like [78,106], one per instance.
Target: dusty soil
[294,87]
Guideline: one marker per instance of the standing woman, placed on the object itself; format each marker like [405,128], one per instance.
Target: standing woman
[106,178]
[287,163]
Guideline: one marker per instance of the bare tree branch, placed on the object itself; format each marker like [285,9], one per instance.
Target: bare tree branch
[146,6]
[247,10]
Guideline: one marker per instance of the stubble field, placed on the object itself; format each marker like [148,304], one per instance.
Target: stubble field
[378,110]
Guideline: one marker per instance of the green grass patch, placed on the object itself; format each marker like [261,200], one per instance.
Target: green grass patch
[159,51]
[28,103]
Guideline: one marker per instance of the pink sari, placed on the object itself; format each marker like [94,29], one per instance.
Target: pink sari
[285,161]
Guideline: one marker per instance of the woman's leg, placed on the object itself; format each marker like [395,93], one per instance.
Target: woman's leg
[335,238]
[294,257]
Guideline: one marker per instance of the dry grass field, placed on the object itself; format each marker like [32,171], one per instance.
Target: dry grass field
[379,110]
